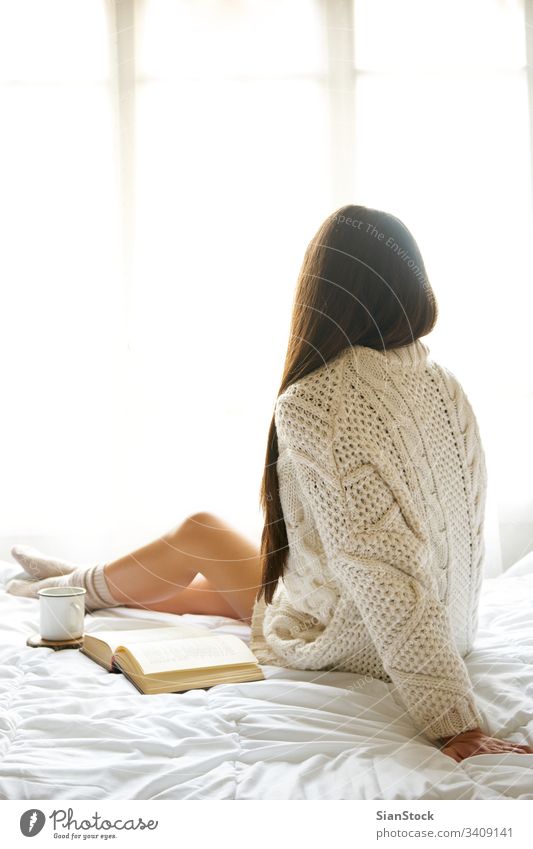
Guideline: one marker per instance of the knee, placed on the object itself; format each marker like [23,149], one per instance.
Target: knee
[202,521]
[195,523]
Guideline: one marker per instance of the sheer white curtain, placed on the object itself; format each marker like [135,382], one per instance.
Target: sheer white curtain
[166,163]
[61,303]
[442,140]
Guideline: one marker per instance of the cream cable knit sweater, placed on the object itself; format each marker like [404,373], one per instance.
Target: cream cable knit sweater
[382,481]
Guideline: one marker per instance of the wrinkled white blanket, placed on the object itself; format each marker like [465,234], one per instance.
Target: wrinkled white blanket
[71,730]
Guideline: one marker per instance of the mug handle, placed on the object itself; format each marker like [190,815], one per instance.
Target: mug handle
[74,610]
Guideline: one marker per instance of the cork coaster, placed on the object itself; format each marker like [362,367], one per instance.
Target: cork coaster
[36,641]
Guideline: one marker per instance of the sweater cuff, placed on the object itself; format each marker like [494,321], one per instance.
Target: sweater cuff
[462,716]
[258,644]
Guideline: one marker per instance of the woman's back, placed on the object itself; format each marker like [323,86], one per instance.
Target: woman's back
[382,481]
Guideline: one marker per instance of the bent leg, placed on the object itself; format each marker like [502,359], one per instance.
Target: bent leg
[164,570]
[199,597]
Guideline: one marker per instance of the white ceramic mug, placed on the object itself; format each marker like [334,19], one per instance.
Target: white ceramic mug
[62,611]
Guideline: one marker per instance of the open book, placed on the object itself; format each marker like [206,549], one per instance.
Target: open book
[171,660]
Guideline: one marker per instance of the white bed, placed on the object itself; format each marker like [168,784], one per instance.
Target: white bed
[70,730]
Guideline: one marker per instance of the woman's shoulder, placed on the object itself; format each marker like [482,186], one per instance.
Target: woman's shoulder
[305,412]
[318,390]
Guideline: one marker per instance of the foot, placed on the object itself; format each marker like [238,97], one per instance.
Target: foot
[92,579]
[30,589]
[39,565]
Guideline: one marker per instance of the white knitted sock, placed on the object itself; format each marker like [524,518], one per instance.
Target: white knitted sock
[92,579]
[39,565]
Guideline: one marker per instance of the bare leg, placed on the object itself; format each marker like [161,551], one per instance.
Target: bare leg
[201,566]
[199,597]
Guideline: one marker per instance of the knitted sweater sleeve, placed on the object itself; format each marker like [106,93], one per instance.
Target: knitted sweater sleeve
[378,554]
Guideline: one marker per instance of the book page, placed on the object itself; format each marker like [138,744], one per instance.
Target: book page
[191,653]
[148,635]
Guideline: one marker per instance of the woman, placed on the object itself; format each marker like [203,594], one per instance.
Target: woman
[373,496]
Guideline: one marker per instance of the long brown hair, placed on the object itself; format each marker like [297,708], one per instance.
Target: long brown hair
[362,282]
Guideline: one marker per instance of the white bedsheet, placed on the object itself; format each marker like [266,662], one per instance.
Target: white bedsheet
[71,730]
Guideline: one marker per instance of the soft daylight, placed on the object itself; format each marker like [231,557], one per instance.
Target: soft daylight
[267,502]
